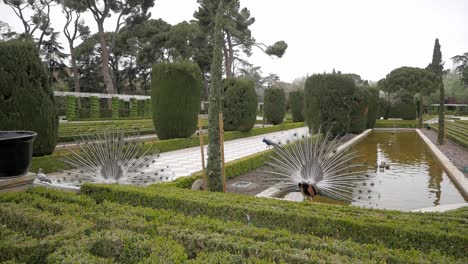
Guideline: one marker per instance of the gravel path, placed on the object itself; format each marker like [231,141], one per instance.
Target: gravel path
[455,153]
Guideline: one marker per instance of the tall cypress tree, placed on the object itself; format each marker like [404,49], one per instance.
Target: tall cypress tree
[437,67]
[214,180]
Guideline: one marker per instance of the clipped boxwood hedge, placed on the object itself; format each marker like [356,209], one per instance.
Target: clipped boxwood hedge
[239,104]
[98,231]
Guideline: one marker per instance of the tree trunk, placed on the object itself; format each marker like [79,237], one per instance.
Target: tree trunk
[441,127]
[105,63]
[76,77]
[227,65]
[421,107]
[231,54]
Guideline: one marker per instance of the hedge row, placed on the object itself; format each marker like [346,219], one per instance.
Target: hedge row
[55,162]
[426,233]
[105,232]
[396,124]
[456,131]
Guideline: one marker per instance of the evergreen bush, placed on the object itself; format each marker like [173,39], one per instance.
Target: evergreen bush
[405,109]
[374,107]
[115,108]
[94,105]
[133,107]
[148,108]
[175,97]
[296,102]
[327,102]
[26,100]
[240,104]
[359,110]
[274,105]
[71,107]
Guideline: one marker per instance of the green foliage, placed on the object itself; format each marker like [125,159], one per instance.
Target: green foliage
[456,131]
[328,99]
[278,49]
[405,110]
[175,97]
[274,106]
[26,100]
[296,101]
[359,110]
[240,104]
[394,230]
[115,108]
[71,107]
[148,108]
[395,124]
[373,107]
[95,108]
[213,168]
[133,107]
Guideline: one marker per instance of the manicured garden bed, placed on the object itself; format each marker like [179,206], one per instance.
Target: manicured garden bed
[170,225]
[456,131]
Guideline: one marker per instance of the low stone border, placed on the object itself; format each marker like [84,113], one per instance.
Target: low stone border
[273,191]
[455,175]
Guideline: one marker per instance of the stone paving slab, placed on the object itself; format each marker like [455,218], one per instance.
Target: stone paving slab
[184,162]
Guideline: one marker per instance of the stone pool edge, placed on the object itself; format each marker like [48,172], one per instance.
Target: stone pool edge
[272,191]
[455,175]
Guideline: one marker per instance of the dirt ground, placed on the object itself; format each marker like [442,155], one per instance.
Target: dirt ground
[455,153]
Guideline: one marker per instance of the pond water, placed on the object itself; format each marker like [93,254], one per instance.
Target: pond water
[413,180]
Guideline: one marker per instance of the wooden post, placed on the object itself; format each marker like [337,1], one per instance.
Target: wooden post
[221,142]
[200,133]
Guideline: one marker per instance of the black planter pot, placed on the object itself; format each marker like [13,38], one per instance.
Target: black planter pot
[16,149]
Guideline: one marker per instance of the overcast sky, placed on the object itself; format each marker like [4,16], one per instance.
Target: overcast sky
[366,37]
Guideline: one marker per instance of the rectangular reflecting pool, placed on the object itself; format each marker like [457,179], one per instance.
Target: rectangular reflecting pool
[413,178]
[402,174]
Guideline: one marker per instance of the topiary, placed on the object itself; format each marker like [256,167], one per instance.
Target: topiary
[359,111]
[296,102]
[274,105]
[405,109]
[115,108]
[94,105]
[26,100]
[71,107]
[133,107]
[148,108]
[175,97]
[240,104]
[327,100]
[374,107]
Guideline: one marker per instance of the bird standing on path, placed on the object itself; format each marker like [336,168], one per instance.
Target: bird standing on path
[42,177]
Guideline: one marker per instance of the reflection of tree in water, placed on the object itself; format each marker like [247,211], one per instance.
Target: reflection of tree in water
[435,178]
[399,147]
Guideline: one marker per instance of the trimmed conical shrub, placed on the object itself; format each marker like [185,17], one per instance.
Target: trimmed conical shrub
[327,103]
[296,102]
[176,96]
[274,105]
[240,104]
[26,100]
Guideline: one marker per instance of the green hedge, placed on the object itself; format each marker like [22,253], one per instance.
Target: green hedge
[175,97]
[296,101]
[395,124]
[274,105]
[71,107]
[83,230]
[133,107]
[374,107]
[26,100]
[240,104]
[359,110]
[115,108]
[405,110]
[95,108]
[328,99]
[392,229]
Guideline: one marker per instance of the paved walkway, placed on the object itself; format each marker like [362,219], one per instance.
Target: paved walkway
[184,162]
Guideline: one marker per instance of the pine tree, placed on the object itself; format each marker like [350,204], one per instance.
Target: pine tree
[214,180]
[437,67]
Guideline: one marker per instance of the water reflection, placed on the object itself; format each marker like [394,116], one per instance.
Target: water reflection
[414,178]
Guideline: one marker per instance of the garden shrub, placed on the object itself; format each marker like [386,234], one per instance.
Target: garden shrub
[71,107]
[115,108]
[296,102]
[359,110]
[240,104]
[405,109]
[94,106]
[274,105]
[373,110]
[147,108]
[26,100]
[327,102]
[175,97]
[133,107]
